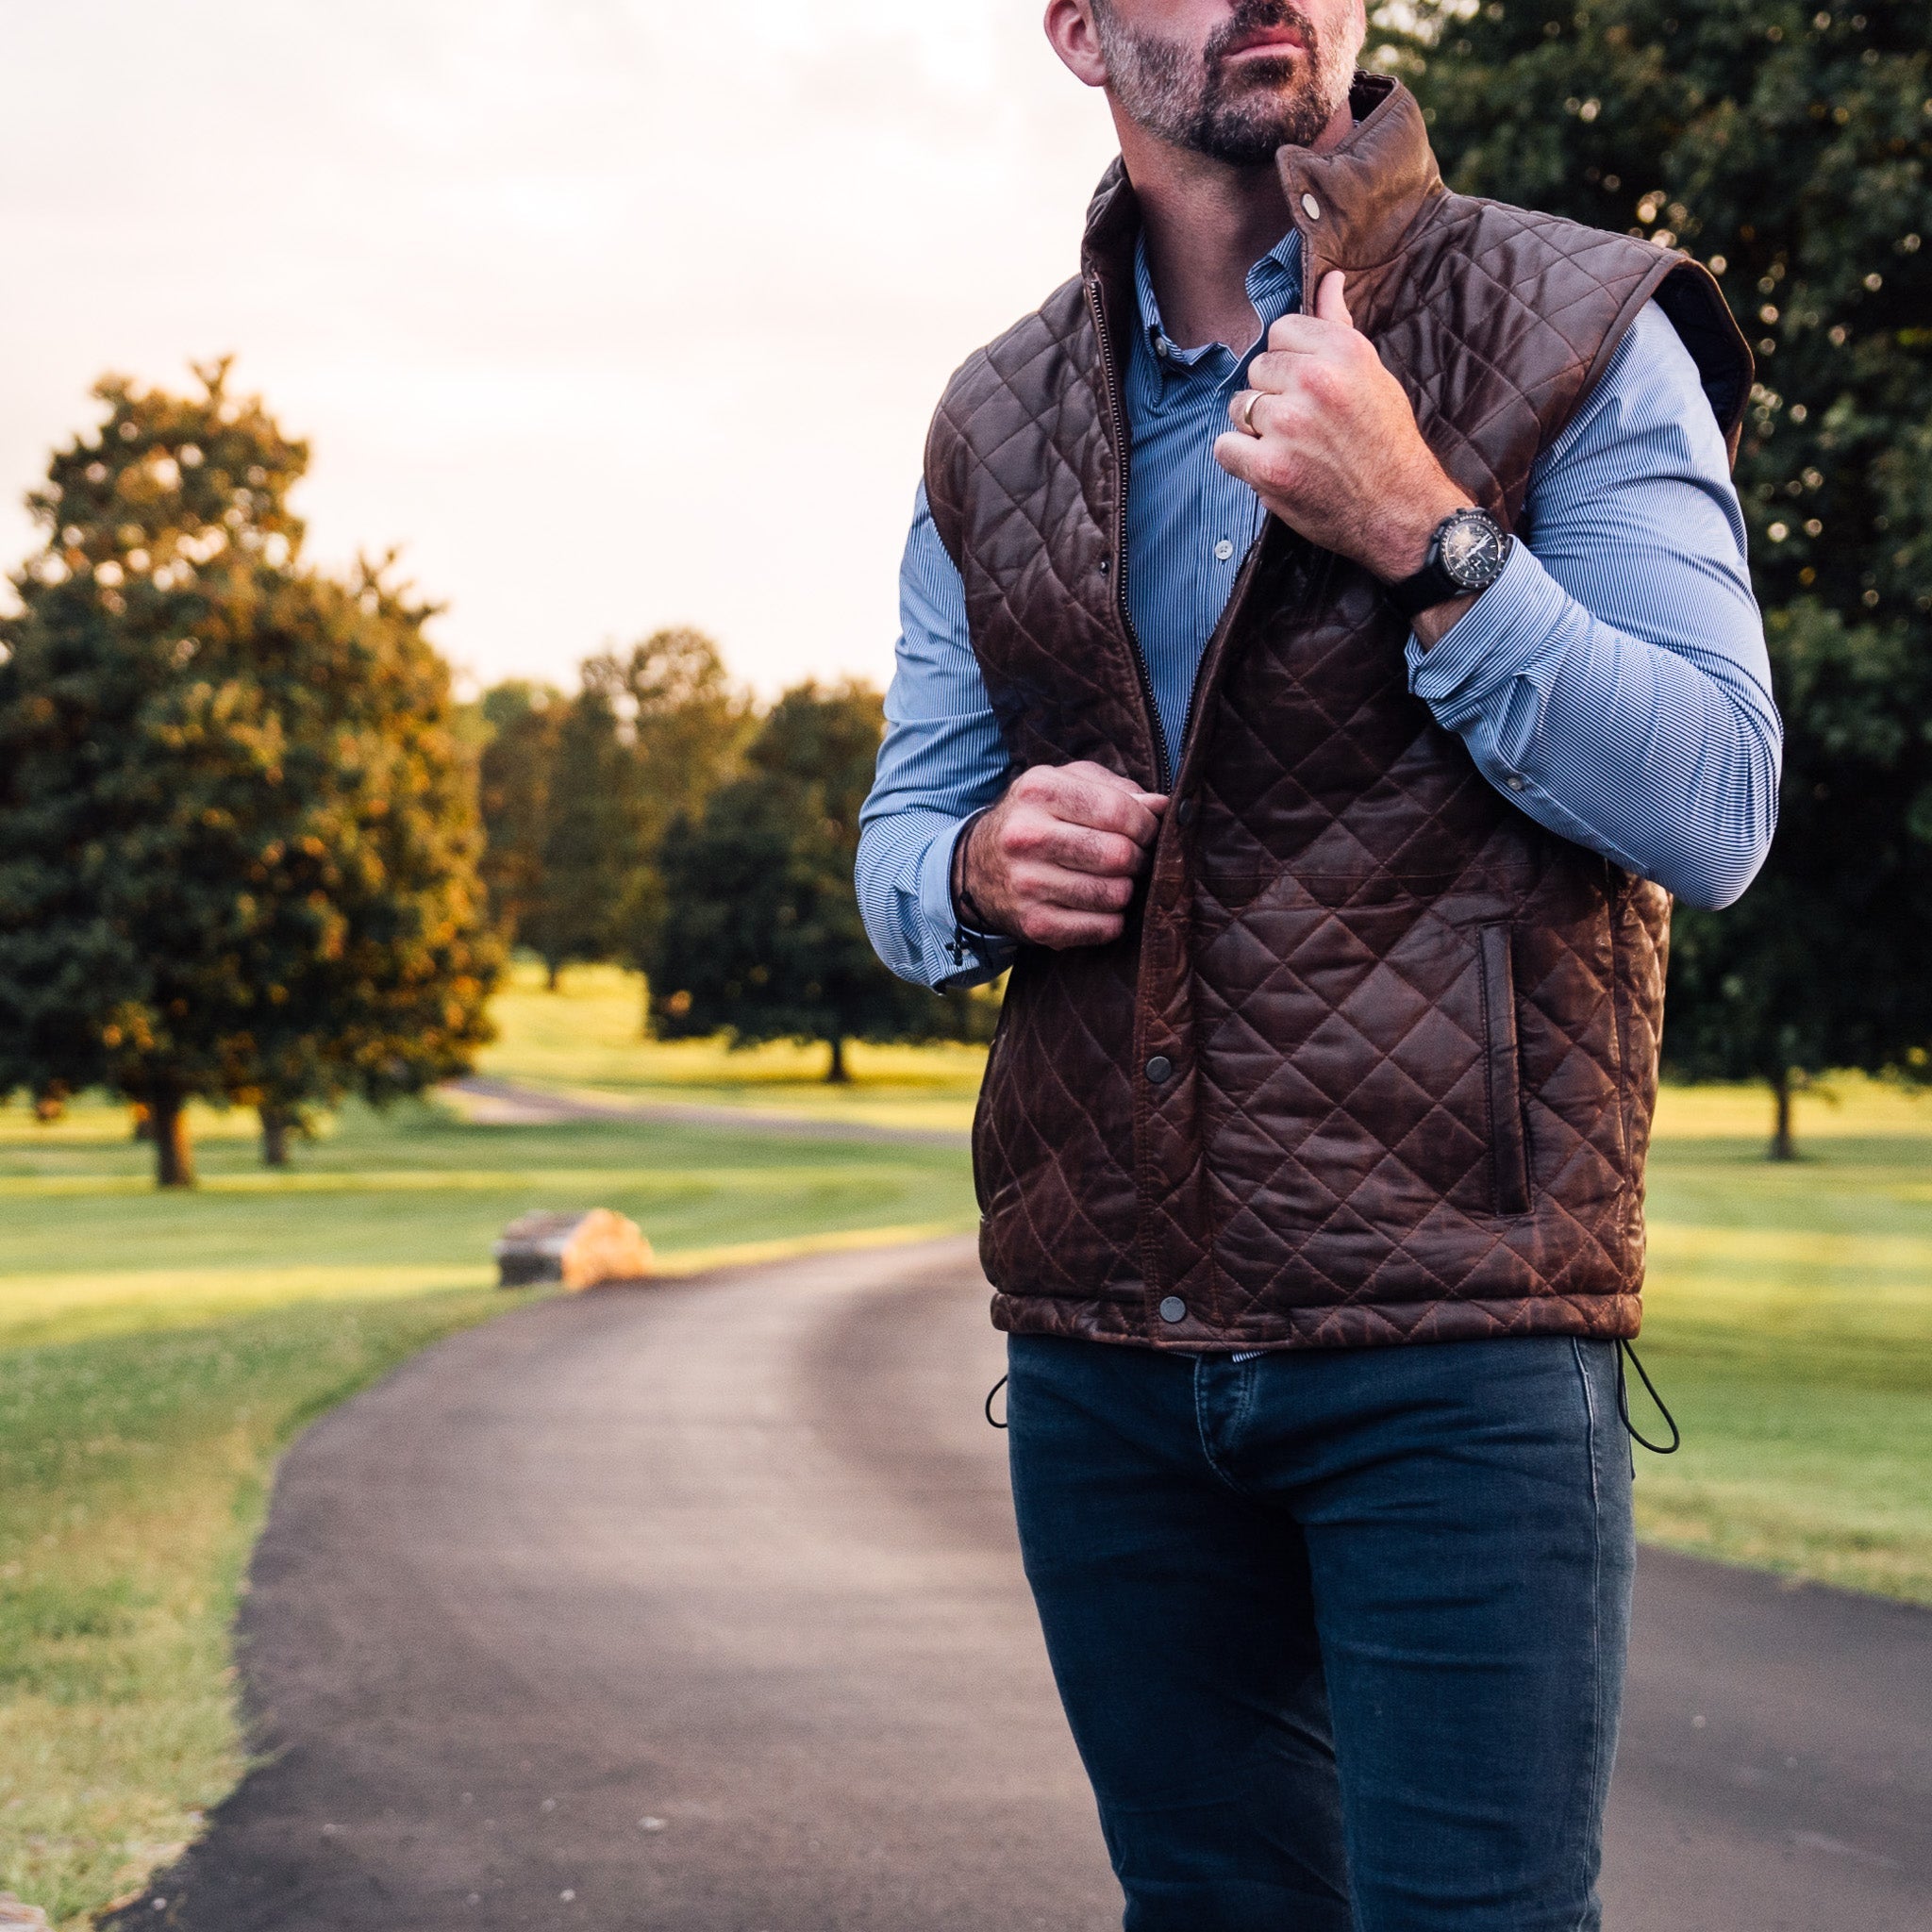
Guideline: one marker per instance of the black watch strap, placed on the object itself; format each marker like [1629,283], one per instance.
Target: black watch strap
[1430,586]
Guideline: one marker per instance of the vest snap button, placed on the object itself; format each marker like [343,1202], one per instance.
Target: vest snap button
[1312,207]
[1184,812]
[1160,1068]
[1174,1309]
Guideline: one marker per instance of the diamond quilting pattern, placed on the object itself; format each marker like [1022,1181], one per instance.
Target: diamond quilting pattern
[1323,1169]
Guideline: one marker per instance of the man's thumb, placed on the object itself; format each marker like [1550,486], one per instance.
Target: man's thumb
[1330,304]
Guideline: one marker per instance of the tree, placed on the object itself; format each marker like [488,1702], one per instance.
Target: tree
[689,726]
[590,838]
[1787,146]
[761,937]
[521,719]
[237,833]
[579,793]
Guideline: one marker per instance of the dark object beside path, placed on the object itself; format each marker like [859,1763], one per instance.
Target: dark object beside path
[698,1608]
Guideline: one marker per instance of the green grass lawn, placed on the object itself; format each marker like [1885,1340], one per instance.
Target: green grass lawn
[1790,1326]
[157,1352]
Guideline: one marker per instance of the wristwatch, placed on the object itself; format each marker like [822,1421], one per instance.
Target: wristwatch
[1465,556]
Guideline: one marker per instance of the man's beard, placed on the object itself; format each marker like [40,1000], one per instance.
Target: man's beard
[1239,115]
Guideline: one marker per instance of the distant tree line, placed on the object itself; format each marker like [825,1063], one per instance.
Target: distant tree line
[656,818]
[253,852]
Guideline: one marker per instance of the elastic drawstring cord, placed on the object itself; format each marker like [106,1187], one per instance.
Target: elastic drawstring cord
[1623,1349]
[1676,1442]
[990,1394]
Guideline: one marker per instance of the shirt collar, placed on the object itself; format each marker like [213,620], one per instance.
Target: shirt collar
[1274,286]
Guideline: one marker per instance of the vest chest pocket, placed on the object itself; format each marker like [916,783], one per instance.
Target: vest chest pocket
[1503,1072]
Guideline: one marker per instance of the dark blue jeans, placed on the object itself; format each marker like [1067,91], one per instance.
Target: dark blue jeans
[1340,1634]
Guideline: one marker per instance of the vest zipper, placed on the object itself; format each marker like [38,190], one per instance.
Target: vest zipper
[1109,383]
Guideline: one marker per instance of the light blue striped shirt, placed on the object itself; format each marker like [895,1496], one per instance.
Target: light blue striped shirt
[1613,682]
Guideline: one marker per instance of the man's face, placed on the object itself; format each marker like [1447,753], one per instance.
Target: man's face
[1232,79]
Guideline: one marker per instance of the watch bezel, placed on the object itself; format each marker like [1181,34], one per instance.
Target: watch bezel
[1489,568]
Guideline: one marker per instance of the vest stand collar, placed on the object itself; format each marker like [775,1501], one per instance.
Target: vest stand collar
[1365,195]
[1356,204]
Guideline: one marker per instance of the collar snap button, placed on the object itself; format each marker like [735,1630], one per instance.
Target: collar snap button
[1312,207]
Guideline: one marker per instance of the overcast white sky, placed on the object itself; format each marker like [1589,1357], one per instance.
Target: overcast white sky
[614,313]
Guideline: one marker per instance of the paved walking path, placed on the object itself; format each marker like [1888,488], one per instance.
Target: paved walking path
[696,1609]
[505,1103]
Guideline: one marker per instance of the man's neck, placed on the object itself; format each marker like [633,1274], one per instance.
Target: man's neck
[1207,224]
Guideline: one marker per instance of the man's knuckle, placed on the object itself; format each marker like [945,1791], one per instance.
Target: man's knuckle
[1277,473]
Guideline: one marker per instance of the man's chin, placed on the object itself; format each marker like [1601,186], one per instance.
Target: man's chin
[1254,140]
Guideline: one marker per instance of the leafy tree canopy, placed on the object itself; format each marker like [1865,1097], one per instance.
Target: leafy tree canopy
[580,793]
[238,831]
[1787,146]
[689,726]
[520,722]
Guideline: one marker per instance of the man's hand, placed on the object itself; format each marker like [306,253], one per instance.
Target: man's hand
[1055,862]
[1334,452]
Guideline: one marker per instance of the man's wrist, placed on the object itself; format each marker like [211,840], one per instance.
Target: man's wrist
[1431,626]
[967,911]
[1406,549]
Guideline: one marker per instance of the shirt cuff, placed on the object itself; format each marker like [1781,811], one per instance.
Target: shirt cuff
[967,953]
[1498,639]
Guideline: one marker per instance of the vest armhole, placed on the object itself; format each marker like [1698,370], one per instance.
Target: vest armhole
[943,454]
[1696,307]
[1692,304]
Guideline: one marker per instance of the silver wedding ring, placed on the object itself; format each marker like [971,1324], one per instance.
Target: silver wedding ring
[1245,412]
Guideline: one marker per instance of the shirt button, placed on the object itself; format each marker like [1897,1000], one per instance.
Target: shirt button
[1224,550]
[1160,1070]
[1174,1309]
[1514,782]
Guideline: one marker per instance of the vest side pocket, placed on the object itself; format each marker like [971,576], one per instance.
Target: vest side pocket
[1508,1143]
[984,1140]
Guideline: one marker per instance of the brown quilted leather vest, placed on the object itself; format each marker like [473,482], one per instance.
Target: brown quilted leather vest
[1377,1060]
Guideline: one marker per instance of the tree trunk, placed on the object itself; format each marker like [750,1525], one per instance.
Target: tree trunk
[553,975]
[837,1075]
[174,1151]
[1783,1146]
[276,1122]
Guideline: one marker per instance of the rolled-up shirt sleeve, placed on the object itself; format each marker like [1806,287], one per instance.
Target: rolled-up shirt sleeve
[1613,681]
[942,762]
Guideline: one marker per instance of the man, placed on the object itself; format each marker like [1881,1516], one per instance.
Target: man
[1327,645]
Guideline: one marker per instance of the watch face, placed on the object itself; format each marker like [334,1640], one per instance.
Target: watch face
[1474,549]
